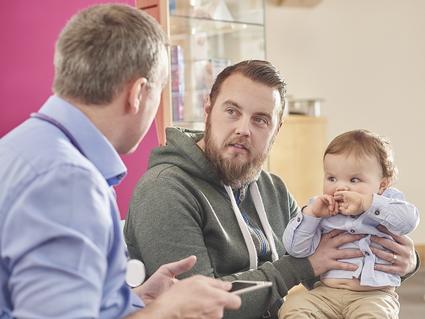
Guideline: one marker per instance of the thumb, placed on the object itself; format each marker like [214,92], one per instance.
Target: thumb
[178,267]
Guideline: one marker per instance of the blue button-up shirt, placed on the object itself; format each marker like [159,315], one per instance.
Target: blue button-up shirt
[302,236]
[61,247]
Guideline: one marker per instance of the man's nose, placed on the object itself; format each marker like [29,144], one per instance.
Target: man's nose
[243,127]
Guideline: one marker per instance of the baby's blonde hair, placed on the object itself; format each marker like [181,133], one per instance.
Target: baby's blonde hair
[363,142]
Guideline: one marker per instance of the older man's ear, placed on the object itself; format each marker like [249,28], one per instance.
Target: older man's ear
[137,90]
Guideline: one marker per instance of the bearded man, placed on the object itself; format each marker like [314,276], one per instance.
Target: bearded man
[207,195]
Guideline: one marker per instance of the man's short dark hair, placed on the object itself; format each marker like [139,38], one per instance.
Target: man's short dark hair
[256,70]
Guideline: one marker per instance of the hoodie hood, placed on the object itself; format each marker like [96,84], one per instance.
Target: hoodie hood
[182,151]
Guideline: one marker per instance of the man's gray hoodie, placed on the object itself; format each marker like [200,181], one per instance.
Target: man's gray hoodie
[181,208]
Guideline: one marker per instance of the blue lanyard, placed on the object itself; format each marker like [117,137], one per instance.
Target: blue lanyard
[62,128]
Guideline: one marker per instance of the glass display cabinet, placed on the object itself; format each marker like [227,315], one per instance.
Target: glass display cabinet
[205,37]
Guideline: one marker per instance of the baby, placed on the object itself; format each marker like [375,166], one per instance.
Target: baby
[358,172]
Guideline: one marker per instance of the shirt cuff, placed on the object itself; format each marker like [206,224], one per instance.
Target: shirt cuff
[309,223]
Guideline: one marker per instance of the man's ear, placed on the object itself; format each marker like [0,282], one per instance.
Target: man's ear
[385,183]
[207,105]
[137,89]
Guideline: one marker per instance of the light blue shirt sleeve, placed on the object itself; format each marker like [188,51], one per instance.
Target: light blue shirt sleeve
[392,211]
[56,242]
[302,235]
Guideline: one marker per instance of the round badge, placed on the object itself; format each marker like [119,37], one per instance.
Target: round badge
[136,273]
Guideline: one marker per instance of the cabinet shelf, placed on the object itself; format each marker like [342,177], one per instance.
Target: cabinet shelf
[182,26]
[192,18]
[251,12]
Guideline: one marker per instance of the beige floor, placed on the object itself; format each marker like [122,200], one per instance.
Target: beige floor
[412,293]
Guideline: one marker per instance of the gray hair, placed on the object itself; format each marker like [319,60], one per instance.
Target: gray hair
[102,48]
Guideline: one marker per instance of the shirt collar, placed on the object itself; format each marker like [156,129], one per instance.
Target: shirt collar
[93,143]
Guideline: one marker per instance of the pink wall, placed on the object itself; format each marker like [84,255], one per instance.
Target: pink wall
[28,31]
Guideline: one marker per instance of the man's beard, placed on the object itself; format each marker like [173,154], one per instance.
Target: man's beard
[231,171]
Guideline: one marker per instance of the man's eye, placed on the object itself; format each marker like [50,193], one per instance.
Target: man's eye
[261,120]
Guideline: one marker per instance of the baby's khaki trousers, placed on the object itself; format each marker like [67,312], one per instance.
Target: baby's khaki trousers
[325,302]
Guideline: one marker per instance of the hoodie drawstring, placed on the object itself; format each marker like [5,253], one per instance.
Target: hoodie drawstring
[259,206]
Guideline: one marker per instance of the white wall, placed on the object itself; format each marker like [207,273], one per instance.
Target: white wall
[366,58]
